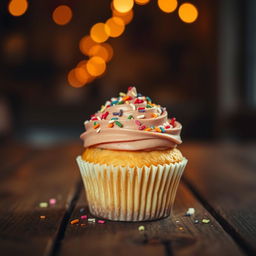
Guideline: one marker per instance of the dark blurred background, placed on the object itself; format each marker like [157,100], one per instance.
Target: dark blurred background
[204,72]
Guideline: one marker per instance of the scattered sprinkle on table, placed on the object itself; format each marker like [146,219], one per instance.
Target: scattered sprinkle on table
[91,220]
[52,201]
[181,228]
[43,204]
[205,221]
[74,221]
[101,221]
[42,217]
[141,228]
[83,217]
[196,221]
[190,212]
[82,224]
[81,210]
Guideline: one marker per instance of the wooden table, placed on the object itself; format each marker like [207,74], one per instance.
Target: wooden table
[219,182]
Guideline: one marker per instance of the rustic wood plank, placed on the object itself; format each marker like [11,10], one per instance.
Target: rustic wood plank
[178,235]
[51,173]
[224,178]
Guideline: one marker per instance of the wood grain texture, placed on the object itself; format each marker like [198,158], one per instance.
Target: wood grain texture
[51,173]
[224,178]
[177,235]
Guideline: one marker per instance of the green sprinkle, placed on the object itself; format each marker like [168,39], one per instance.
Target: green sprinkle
[43,204]
[120,102]
[148,99]
[94,123]
[114,118]
[118,123]
[130,117]
[206,221]
[148,106]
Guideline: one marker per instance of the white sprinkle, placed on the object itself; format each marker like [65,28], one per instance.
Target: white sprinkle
[91,220]
[141,116]
[159,110]
[98,118]
[86,122]
[107,103]
[133,106]
[98,130]
[134,94]
[113,99]
[111,121]
[190,211]
[141,98]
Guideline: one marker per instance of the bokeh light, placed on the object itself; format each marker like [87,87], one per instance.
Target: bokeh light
[141,2]
[104,51]
[116,26]
[83,64]
[85,44]
[188,12]
[62,15]
[96,66]
[81,75]
[72,80]
[167,6]
[126,16]
[17,7]
[99,32]
[123,5]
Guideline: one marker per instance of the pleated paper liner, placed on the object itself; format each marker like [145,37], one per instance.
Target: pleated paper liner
[131,194]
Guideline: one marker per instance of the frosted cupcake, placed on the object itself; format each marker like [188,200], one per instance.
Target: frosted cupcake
[131,167]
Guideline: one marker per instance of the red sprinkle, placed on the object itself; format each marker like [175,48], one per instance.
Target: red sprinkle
[129,88]
[167,126]
[83,217]
[172,122]
[138,101]
[104,116]
[142,127]
[137,122]
[94,118]
[92,115]
[140,108]
[101,221]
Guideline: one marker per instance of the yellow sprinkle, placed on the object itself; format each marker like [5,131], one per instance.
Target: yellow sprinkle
[122,94]
[141,228]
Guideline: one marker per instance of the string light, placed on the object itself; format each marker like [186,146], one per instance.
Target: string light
[141,2]
[123,5]
[167,6]
[188,13]
[96,66]
[116,26]
[99,32]
[72,79]
[104,51]
[62,15]
[17,7]
[85,44]
[126,16]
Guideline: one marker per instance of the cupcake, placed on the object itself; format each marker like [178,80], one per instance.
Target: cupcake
[131,167]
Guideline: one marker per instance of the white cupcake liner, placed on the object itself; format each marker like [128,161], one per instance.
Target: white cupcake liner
[130,194]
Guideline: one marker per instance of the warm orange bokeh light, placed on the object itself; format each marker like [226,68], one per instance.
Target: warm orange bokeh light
[141,2]
[96,66]
[188,12]
[123,5]
[81,75]
[116,26]
[126,16]
[85,44]
[72,80]
[167,6]
[99,32]
[17,7]
[104,51]
[62,15]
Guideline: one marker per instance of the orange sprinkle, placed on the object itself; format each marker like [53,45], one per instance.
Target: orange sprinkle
[158,129]
[42,217]
[154,115]
[125,98]
[96,126]
[110,125]
[74,221]
[147,129]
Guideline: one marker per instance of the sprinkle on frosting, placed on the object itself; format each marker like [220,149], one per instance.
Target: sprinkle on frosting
[116,129]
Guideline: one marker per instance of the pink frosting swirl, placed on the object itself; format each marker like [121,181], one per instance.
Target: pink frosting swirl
[131,122]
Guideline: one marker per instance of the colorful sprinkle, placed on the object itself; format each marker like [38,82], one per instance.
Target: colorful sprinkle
[82,224]
[111,121]
[116,113]
[138,101]
[122,94]
[104,116]
[74,221]
[114,118]
[96,126]
[110,125]
[205,221]
[118,124]
[158,129]
[148,106]
[162,129]
[172,122]
[137,122]
[196,221]
[86,122]
[121,112]
[142,127]
[52,201]
[98,130]
[129,88]
[42,217]
[114,102]
[91,220]
[147,129]
[120,102]
[94,118]
[148,99]
[133,106]
[181,228]
[126,98]
[101,221]
[141,116]
[141,228]
[43,204]
[83,217]
[130,117]
[154,115]
[167,126]
[190,212]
